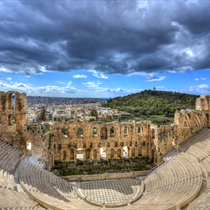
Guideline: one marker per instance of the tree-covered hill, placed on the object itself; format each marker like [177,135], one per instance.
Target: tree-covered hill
[149,102]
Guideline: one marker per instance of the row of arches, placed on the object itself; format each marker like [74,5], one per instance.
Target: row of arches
[103,132]
[11,119]
[103,153]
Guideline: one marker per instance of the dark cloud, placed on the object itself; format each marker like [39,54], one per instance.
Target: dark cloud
[123,37]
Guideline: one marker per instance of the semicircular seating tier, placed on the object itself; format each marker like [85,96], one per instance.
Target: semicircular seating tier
[49,190]
[10,198]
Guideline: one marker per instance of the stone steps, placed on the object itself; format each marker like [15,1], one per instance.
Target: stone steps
[200,136]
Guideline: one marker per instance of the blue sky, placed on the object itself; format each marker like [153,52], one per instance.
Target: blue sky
[92,84]
[104,48]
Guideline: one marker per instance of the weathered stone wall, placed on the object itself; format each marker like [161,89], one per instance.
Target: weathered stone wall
[15,134]
[63,142]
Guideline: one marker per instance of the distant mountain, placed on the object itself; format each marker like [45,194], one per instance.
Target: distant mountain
[149,102]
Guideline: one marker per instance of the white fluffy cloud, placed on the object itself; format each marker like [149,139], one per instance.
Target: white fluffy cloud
[100,76]
[60,82]
[9,79]
[95,86]
[79,76]
[36,90]
[69,84]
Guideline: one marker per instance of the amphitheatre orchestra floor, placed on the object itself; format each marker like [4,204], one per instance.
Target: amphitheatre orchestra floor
[109,191]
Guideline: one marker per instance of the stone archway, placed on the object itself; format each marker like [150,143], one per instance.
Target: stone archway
[112,153]
[103,156]
[104,133]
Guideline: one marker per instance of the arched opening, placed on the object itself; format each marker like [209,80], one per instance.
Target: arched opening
[64,155]
[87,154]
[153,155]
[112,134]
[103,158]
[148,149]
[125,153]
[126,131]
[94,132]
[104,133]
[139,151]
[133,152]
[28,145]
[59,147]
[72,154]
[116,144]
[139,130]
[69,146]
[54,147]
[65,132]
[11,101]
[79,133]
[112,153]
[95,154]
[119,153]
[11,119]
[153,133]
[80,155]
[207,118]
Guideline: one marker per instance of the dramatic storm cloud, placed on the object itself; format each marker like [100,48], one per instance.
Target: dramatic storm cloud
[108,37]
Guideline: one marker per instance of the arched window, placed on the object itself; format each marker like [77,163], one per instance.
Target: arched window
[64,155]
[126,131]
[28,145]
[11,101]
[87,154]
[112,153]
[11,119]
[95,154]
[103,154]
[64,131]
[118,153]
[133,152]
[104,133]
[112,132]
[71,154]
[153,133]
[94,132]
[80,133]
[59,147]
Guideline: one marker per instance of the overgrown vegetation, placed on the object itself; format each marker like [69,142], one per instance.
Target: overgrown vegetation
[43,129]
[148,102]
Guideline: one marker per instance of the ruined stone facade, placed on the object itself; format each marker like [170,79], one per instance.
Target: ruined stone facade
[67,139]
[13,127]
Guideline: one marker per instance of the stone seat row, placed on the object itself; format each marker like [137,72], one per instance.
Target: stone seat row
[42,181]
[203,198]
[170,155]
[204,133]
[178,170]
[12,150]
[176,183]
[35,161]
[48,189]
[177,194]
[200,150]
[14,199]
[7,180]
[8,161]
